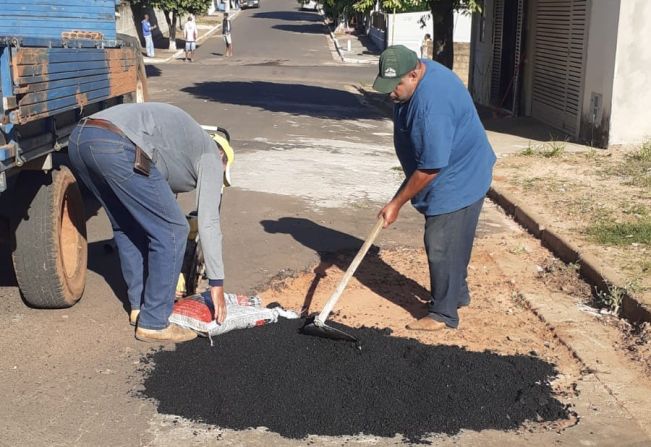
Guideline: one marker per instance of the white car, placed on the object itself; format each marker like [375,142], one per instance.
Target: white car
[309,5]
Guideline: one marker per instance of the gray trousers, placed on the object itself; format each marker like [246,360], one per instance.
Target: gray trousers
[448,243]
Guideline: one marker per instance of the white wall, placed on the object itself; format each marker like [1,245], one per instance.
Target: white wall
[481,54]
[408,29]
[462,27]
[631,103]
[599,69]
[411,27]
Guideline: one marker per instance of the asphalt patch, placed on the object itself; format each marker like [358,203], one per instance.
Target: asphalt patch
[298,385]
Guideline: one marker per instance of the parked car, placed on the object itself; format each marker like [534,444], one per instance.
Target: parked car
[309,5]
[245,4]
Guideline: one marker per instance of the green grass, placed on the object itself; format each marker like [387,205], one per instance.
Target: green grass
[548,150]
[615,233]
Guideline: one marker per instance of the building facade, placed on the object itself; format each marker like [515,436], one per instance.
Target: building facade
[580,66]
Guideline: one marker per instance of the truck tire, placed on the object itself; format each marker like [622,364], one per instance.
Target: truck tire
[50,251]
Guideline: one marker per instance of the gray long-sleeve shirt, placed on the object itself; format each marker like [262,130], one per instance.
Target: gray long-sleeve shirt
[187,158]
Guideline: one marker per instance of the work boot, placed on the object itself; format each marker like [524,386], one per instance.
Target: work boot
[426,324]
[172,333]
[133,316]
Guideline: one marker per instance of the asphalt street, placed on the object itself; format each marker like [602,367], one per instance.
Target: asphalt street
[314,164]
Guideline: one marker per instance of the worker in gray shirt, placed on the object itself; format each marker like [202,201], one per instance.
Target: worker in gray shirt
[134,158]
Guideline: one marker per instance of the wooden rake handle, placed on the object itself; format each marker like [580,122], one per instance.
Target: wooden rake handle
[323,316]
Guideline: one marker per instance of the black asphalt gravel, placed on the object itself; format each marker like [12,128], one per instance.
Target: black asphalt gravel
[297,385]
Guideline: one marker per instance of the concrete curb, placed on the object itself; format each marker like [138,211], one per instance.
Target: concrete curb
[594,271]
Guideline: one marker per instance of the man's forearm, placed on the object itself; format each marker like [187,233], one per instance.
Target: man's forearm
[414,184]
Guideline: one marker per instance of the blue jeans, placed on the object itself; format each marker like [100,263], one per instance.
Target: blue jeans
[448,243]
[149,45]
[150,229]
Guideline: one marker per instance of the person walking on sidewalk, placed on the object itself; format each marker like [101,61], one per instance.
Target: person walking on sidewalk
[146,32]
[190,36]
[226,30]
[134,158]
[448,163]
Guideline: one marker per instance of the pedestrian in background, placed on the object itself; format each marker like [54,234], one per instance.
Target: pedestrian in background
[190,36]
[226,30]
[448,165]
[146,32]
[134,159]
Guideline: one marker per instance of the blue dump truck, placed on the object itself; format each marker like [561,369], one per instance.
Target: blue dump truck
[60,61]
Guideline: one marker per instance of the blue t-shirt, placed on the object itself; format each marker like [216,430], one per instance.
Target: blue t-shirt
[439,128]
[146,28]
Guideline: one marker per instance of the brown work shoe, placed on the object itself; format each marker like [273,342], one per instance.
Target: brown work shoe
[172,333]
[426,324]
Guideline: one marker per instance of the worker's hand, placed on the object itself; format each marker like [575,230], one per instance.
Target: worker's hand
[217,295]
[389,213]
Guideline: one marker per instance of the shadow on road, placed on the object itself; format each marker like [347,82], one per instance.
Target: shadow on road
[337,248]
[296,99]
[311,28]
[152,71]
[289,15]
[103,260]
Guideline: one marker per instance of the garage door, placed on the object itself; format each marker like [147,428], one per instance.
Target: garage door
[560,41]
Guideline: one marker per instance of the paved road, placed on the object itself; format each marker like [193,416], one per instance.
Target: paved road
[313,166]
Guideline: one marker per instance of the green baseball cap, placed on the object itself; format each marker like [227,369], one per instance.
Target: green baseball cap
[395,62]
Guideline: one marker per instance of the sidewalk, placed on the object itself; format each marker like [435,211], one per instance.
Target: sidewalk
[353,47]
[205,31]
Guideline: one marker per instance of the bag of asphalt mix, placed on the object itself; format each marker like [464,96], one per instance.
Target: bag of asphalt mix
[196,312]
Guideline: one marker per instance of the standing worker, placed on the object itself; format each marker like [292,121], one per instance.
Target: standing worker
[228,39]
[146,33]
[134,158]
[190,36]
[448,165]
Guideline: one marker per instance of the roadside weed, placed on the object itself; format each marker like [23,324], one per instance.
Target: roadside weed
[610,299]
[529,150]
[553,149]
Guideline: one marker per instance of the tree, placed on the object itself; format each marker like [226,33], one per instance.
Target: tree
[443,18]
[442,15]
[172,9]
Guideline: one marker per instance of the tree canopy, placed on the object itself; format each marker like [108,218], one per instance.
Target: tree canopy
[172,9]
[442,15]
[178,6]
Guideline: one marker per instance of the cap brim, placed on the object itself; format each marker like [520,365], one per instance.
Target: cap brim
[385,85]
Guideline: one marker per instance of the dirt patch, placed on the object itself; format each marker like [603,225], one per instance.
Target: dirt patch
[390,289]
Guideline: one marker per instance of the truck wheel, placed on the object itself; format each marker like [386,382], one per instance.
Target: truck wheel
[50,251]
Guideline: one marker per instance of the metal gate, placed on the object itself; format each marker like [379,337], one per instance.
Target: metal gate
[560,41]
